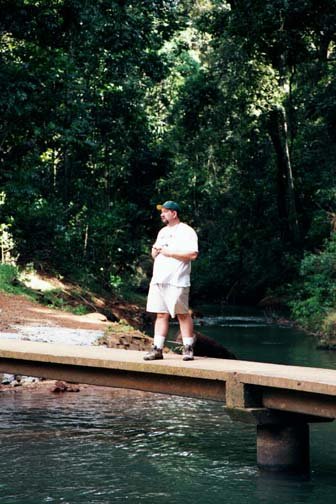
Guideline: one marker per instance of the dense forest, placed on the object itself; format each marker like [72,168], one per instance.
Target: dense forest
[109,107]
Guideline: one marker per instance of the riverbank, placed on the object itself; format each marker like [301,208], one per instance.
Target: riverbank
[28,312]
[321,326]
[23,319]
[327,334]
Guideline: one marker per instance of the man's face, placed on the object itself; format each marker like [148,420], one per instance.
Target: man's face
[167,215]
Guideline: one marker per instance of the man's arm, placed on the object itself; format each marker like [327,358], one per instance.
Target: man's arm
[181,256]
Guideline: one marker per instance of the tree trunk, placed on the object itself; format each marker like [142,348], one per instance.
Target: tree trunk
[278,132]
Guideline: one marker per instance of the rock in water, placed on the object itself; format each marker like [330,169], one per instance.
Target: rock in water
[61,386]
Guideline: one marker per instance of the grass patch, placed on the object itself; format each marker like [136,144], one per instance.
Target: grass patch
[10,283]
[55,298]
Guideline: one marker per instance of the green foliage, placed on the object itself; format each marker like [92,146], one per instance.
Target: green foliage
[315,296]
[10,282]
[328,341]
[8,276]
[249,132]
[228,107]
[74,133]
[57,298]
[115,282]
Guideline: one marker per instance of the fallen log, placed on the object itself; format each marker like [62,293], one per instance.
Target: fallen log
[205,346]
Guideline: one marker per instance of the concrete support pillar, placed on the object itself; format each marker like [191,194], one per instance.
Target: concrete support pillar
[283,448]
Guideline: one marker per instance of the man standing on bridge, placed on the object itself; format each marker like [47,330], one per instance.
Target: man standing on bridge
[175,247]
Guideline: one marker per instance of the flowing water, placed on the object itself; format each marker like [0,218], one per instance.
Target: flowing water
[106,445]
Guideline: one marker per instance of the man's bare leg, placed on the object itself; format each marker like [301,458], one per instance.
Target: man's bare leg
[186,325]
[161,326]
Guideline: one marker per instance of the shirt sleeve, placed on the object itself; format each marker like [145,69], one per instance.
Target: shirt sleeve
[188,240]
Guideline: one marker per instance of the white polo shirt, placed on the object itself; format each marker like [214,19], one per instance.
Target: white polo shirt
[168,270]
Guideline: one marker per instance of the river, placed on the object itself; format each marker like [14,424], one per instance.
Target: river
[106,445]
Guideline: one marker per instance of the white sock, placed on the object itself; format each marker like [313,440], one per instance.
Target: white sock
[159,341]
[188,341]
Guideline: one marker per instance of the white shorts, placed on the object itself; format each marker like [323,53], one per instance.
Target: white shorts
[165,298]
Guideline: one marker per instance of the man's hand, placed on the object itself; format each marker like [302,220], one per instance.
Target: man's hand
[155,251]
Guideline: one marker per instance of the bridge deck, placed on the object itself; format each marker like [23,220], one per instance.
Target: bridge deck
[304,379]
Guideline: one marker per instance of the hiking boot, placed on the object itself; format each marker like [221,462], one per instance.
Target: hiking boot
[188,352]
[154,354]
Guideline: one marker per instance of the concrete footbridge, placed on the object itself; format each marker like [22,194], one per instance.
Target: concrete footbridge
[280,400]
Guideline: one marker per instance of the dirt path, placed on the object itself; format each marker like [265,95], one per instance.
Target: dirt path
[17,310]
